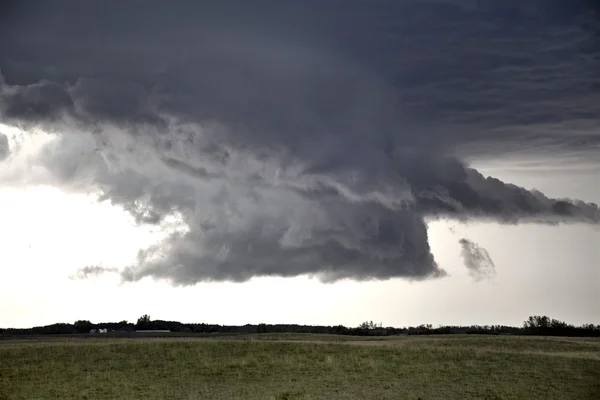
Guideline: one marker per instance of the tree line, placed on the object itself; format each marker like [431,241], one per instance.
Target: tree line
[534,325]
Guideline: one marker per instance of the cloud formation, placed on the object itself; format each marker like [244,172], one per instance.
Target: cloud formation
[91,271]
[4,147]
[477,260]
[282,150]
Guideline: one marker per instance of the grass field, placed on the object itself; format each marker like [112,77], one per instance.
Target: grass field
[301,367]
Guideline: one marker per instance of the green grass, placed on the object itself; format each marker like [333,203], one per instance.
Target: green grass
[292,366]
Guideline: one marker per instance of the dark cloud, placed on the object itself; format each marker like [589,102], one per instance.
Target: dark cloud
[38,101]
[464,192]
[477,260]
[308,137]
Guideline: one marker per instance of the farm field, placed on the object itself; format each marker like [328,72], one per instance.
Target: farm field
[296,366]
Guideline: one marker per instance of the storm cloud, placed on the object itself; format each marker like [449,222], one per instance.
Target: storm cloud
[290,138]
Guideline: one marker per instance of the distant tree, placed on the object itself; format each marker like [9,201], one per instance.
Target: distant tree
[556,324]
[82,326]
[538,322]
[369,325]
[143,322]
[124,326]
[370,328]
[543,325]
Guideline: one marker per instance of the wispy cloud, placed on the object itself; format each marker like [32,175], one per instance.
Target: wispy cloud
[91,271]
[477,260]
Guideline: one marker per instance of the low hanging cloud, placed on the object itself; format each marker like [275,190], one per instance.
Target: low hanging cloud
[477,260]
[284,152]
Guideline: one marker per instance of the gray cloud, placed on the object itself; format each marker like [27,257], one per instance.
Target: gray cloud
[398,248]
[464,192]
[92,271]
[4,147]
[477,260]
[283,150]
[40,100]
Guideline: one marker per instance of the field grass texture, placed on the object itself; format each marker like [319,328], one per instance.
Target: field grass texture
[293,366]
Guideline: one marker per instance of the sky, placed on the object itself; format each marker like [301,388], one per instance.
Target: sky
[318,162]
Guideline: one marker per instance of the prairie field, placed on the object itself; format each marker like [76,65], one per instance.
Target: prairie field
[296,366]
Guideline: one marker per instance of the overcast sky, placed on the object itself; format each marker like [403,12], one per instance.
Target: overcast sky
[315,162]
